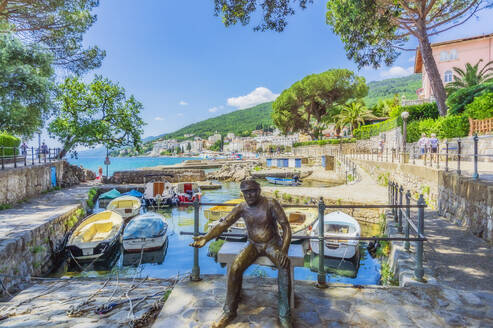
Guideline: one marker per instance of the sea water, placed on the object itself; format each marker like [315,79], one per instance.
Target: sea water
[177,257]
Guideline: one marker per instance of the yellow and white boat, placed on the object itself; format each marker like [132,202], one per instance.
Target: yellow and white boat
[126,206]
[96,236]
[218,212]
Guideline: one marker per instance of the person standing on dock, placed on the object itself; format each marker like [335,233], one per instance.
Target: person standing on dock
[261,217]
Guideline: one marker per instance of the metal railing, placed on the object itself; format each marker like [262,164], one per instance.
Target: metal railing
[395,204]
[449,156]
[12,157]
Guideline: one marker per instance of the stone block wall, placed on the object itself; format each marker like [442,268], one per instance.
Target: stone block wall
[23,182]
[143,176]
[467,202]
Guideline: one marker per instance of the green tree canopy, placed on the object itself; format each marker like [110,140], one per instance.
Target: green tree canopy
[56,25]
[96,113]
[374,32]
[353,114]
[308,105]
[26,85]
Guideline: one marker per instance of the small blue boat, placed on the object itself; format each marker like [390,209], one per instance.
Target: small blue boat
[284,181]
[134,193]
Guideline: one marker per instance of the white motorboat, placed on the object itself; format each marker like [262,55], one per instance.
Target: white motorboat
[96,236]
[126,206]
[188,192]
[337,224]
[160,193]
[145,232]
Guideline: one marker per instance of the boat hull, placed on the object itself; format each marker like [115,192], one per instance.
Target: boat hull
[338,250]
[145,244]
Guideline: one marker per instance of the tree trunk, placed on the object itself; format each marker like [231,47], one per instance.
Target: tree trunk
[432,69]
[66,148]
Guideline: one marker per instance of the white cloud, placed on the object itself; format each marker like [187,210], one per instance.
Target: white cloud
[213,109]
[397,71]
[158,118]
[258,96]
[183,103]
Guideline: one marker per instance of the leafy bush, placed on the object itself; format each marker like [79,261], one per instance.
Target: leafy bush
[481,107]
[458,100]
[367,131]
[417,112]
[453,126]
[6,140]
[324,142]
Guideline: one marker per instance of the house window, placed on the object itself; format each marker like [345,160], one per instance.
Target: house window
[453,54]
[443,56]
[448,77]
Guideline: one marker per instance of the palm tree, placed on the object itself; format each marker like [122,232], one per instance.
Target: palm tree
[353,114]
[471,76]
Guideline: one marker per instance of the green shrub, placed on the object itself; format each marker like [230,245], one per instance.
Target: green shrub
[417,112]
[458,100]
[367,131]
[453,126]
[324,142]
[6,140]
[481,107]
[416,128]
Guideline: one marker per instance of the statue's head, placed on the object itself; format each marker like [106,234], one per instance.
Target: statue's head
[251,191]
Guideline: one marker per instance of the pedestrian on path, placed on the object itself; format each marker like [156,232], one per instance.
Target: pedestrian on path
[24,148]
[423,144]
[433,142]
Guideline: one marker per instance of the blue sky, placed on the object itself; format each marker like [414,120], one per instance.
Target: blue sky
[179,60]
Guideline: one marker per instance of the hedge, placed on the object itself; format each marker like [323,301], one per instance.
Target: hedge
[367,131]
[452,126]
[481,108]
[324,142]
[458,100]
[6,140]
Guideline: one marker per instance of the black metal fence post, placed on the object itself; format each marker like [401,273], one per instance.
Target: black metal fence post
[446,156]
[3,154]
[399,227]
[396,200]
[32,155]
[438,156]
[419,271]
[15,157]
[24,150]
[424,157]
[475,174]
[392,197]
[458,155]
[39,155]
[408,215]
[321,277]
[196,268]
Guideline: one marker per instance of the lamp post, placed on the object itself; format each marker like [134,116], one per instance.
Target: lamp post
[404,116]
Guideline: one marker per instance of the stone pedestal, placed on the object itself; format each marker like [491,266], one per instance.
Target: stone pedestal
[404,158]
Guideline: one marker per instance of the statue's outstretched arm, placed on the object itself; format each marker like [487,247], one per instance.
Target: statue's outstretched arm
[224,224]
[281,218]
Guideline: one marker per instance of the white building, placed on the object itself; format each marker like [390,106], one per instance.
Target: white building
[214,138]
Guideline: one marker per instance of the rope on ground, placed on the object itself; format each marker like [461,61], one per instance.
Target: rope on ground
[77,310]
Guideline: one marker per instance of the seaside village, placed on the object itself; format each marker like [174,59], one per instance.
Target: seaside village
[342,201]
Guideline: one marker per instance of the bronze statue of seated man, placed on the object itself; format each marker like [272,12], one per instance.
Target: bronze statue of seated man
[261,216]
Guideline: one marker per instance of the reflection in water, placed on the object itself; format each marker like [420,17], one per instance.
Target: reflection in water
[177,257]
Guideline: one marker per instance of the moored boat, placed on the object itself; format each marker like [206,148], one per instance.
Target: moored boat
[145,232]
[301,220]
[188,192]
[160,193]
[284,181]
[126,206]
[337,224]
[220,211]
[96,237]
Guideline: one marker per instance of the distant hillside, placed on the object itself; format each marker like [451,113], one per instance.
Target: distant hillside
[388,88]
[238,122]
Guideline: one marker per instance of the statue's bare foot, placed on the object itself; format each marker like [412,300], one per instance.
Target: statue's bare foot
[285,322]
[223,320]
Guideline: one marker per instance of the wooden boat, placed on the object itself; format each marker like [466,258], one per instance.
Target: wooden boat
[105,198]
[160,193]
[337,224]
[188,192]
[145,232]
[126,206]
[218,212]
[301,220]
[97,236]
[284,181]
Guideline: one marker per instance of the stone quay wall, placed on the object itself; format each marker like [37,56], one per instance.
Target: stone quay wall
[23,182]
[143,176]
[36,252]
[462,200]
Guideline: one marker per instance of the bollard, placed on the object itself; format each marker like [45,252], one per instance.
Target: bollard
[321,277]
[458,156]
[196,268]
[408,214]
[399,227]
[446,156]
[396,200]
[419,271]
[3,154]
[475,174]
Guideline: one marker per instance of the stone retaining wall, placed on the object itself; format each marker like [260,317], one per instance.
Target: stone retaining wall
[23,182]
[36,251]
[143,176]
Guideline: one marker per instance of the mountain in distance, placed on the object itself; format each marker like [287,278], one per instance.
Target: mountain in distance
[403,86]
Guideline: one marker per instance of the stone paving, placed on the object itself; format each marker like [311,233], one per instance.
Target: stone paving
[49,303]
[198,304]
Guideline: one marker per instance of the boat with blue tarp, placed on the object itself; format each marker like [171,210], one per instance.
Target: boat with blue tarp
[295,181]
